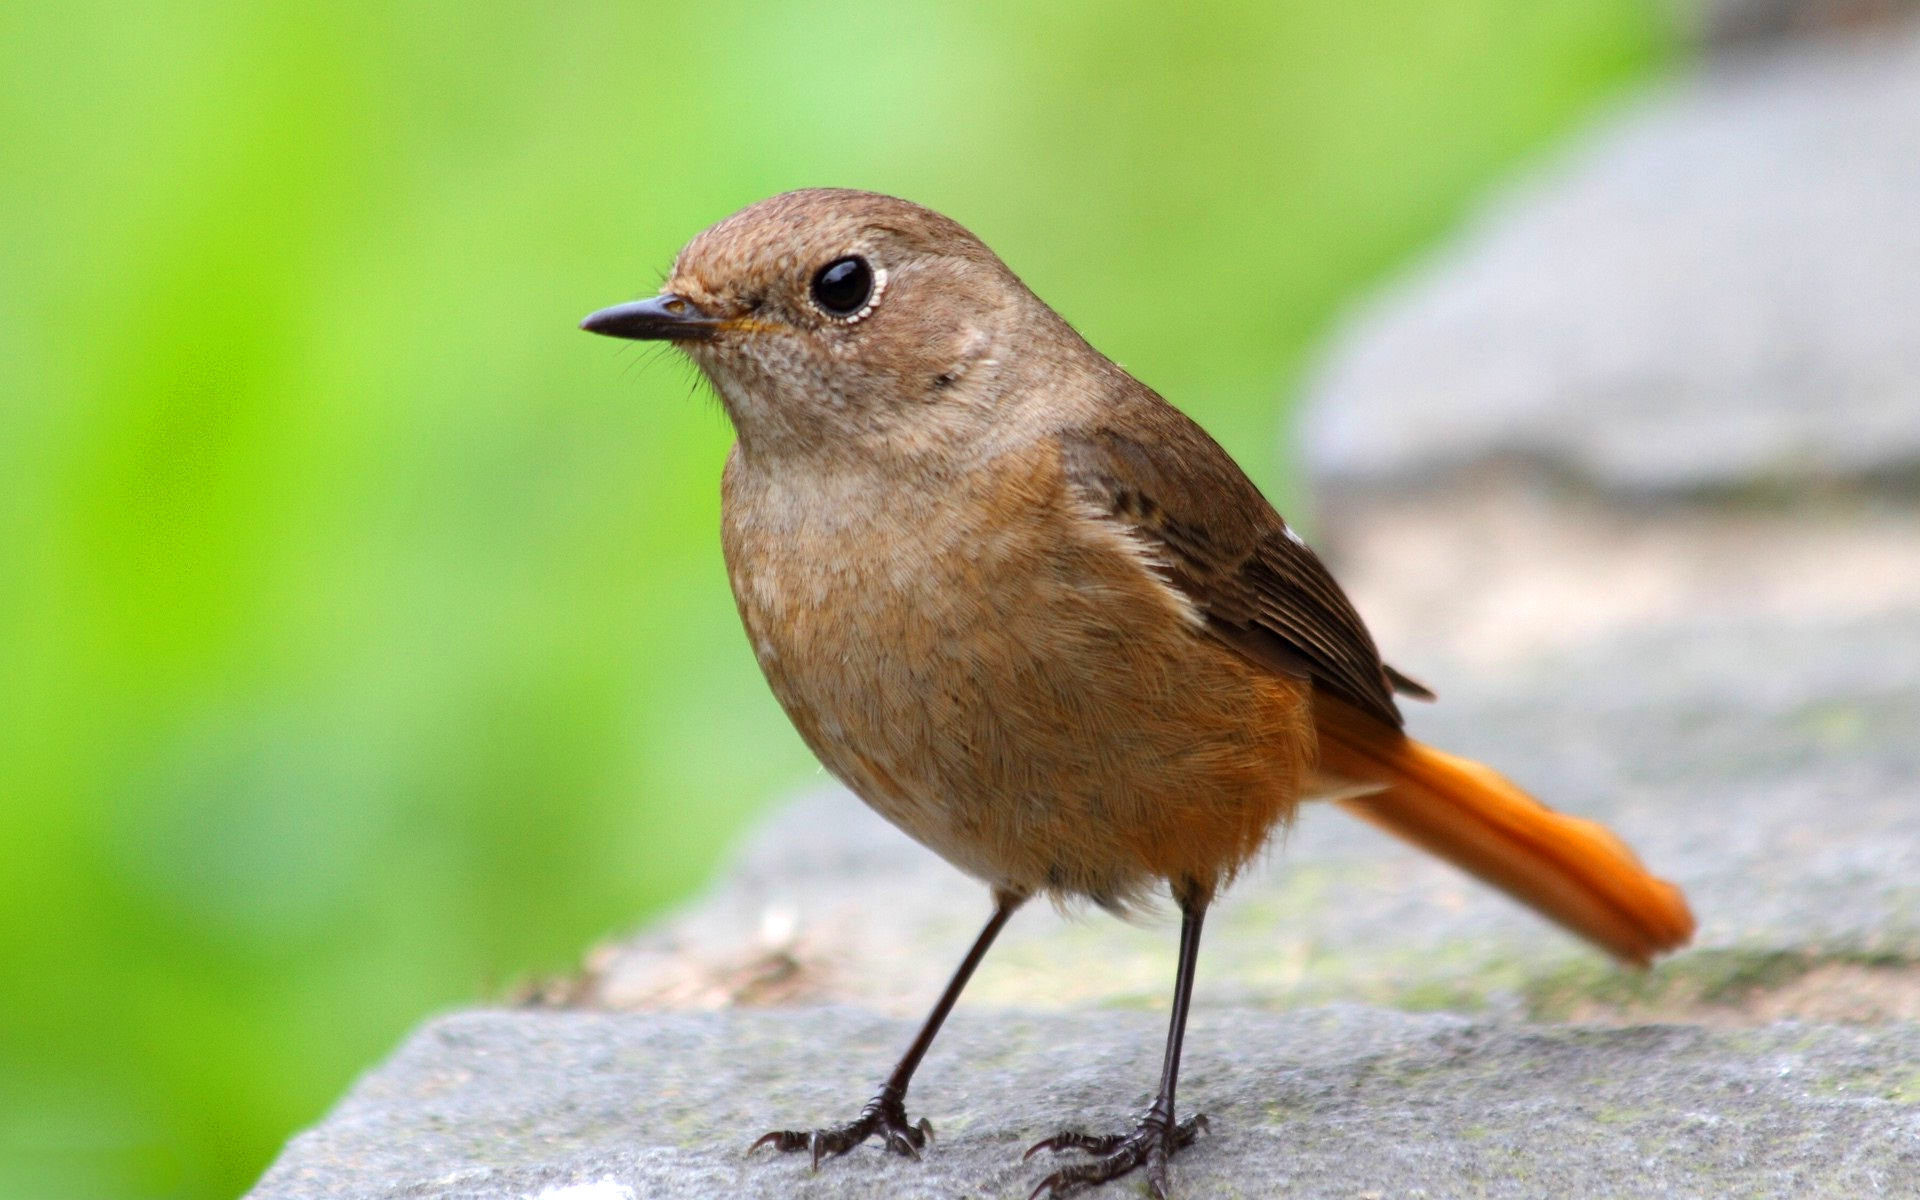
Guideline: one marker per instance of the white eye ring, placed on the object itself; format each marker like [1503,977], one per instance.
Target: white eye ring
[879,289]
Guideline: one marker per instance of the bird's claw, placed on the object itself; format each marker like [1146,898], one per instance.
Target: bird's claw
[885,1117]
[1152,1142]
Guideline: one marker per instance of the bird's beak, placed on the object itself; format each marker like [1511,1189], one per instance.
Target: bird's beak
[662,318]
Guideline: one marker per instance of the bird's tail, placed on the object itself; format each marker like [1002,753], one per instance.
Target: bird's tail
[1573,871]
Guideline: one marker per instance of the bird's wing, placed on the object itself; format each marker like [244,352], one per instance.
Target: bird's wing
[1261,589]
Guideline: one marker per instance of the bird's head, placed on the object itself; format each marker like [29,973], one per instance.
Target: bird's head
[835,321]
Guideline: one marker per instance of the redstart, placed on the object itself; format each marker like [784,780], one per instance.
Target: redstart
[1034,616]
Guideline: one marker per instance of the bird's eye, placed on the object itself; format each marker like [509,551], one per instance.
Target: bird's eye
[843,287]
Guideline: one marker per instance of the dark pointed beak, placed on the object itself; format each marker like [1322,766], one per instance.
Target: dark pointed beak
[662,318]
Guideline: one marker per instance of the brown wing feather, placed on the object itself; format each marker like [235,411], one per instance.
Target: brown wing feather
[1262,590]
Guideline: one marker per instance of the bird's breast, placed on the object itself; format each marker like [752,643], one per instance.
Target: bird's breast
[1003,674]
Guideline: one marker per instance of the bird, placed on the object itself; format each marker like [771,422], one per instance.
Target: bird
[1032,614]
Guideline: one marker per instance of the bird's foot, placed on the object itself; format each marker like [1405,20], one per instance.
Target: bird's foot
[885,1117]
[1152,1142]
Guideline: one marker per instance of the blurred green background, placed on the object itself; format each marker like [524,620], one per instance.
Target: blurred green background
[364,643]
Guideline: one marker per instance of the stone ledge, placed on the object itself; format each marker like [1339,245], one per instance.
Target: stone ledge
[1336,1103]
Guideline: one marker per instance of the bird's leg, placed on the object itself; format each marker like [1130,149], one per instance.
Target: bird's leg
[1158,1134]
[886,1114]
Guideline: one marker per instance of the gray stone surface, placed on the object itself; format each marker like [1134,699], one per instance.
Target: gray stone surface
[1720,286]
[1336,1103]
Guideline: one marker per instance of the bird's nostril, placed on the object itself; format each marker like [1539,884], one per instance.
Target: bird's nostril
[676,306]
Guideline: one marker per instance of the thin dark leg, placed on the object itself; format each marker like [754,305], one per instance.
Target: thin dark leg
[886,1114]
[1158,1134]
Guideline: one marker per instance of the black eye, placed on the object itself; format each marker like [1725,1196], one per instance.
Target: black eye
[843,286]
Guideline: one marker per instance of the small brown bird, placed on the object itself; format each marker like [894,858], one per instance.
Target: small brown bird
[1034,616]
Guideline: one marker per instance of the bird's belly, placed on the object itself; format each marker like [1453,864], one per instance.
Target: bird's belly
[1031,704]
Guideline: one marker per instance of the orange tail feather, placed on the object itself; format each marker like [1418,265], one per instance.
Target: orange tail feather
[1573,871]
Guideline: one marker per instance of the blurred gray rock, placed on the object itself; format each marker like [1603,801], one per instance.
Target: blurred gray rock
[1334,1103]
[1717,288]
[1481,579]
[1740,22]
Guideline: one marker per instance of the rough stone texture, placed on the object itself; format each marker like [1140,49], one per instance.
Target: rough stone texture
[1336,1103]
[1719,288]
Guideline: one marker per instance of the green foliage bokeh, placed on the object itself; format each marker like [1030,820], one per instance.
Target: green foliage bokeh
[364,643]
